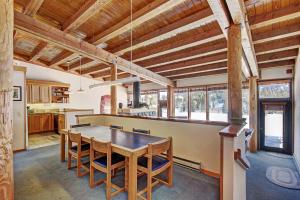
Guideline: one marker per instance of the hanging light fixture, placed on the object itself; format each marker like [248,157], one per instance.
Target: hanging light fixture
[80,90]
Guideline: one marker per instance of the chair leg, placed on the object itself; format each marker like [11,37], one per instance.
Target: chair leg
[170,176]
[92,174]
[108,185]
[149,186]
[126,174]
[78,166]
[69,160]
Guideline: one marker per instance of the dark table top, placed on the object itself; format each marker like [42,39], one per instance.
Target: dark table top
[125,139]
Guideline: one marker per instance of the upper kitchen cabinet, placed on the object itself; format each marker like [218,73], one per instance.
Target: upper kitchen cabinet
[39,91]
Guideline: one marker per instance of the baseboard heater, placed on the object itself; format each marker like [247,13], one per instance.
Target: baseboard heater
[186,163]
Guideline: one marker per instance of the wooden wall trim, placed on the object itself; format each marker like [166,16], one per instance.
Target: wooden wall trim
[233,130]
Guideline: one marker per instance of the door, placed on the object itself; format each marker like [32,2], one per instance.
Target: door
[275,126]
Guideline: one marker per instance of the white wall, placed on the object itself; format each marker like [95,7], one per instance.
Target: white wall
[275,73]
[88,100]
[19,120]
[297,113]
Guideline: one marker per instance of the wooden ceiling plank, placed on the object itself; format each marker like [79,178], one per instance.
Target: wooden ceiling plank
[63,57]
[186,54]
[89,9]
[279,33]
[32,7]
[185,24]
[267,19]
[238,13]
[192,70]
[283,63]
[38,50]
[222,15]
[94,69]
[277,45]
[150,11]
[54,36]
[216,72]
[278,56]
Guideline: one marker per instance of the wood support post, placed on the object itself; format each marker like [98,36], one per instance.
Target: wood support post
[6,103]
[113,90]
[170,107]
[253,112]
[234,56]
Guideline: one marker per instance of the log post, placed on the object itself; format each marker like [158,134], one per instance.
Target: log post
[6,103]
[170,108]
[234,56]
[253,112]
[113,91]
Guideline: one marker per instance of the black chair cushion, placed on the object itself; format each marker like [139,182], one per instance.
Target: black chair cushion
[157,162]
[84,147]
[115,158]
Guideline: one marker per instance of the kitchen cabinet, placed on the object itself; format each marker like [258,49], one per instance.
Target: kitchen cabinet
[35,94]
[40,123]
[45,94]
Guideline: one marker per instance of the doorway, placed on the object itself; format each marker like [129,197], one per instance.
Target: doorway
[275,126]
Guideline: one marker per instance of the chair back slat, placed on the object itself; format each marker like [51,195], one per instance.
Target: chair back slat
[80,125]
[74,137]
[141,131]
[160,147]
[116,127]
[101,147]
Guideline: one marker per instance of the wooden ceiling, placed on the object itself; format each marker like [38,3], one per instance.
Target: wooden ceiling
[175,39]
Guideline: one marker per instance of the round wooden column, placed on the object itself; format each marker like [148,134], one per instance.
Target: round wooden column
[6,103]
[253,112]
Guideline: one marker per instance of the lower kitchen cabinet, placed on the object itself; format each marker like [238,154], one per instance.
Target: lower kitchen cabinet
[40,123]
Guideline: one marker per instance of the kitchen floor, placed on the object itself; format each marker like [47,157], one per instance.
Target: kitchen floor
[43,139]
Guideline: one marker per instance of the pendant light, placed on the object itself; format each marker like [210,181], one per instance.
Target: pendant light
[80,90]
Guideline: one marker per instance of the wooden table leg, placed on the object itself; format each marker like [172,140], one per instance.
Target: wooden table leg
[62,147]
[132,188]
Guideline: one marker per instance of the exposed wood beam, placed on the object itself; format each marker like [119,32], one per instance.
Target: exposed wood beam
[222,15]
[278,33]
[102,74]
[191,22]
[278,56]
[89,8]
[217,58]
[63,57]
[85,62]
[238,13]
[270,18]
[93,69]
[32,7]
[277,45]
[37,52]
[221,71]
[187,54]
[173,45]
[283,63]
[150,11]
[193,70]
[59,38]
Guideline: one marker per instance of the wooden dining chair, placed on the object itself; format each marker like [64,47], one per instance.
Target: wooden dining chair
[154,163]
[105,164]
[80,125]
[116,127]
[77,151]
[147,132]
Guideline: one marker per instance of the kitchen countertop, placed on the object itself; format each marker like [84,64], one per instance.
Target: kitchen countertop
[55,111]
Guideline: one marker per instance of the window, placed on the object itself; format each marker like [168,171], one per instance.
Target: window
[181,102]
[274,90]
[218,104]
[245,104]
[198,103]
[163,110]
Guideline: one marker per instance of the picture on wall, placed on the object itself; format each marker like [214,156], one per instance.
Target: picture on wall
[17,93]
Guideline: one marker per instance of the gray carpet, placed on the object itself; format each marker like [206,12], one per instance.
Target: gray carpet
[39,175]
[258,187]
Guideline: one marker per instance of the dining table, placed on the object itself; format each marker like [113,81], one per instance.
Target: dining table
[129,144]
